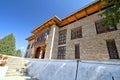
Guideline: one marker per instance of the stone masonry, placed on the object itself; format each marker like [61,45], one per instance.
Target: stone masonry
[92,46]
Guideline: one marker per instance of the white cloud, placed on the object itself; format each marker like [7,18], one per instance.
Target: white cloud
[22,48]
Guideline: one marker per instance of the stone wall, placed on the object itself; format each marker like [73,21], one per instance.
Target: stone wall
[92,45]
[52,43]
[73,70]
[30,51]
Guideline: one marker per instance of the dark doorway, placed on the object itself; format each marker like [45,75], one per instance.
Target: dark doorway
[77,51]
[43,54]
[37,52]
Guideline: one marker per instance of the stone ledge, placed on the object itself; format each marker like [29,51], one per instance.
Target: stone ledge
[117,62]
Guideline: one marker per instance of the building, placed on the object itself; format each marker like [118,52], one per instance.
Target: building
[77,36]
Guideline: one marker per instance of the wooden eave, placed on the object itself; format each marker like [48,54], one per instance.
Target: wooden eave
[50,22]
[86,11]
[90,9]
[97,6]
[31,38]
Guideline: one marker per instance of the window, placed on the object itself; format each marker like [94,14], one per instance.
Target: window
[62,37]
[101,29]
[32,45]
[76,33]
[77,52]
[28,46]
[61,52]
[42,36]
[112,49]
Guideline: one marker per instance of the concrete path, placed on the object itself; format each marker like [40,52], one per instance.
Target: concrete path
[17,78]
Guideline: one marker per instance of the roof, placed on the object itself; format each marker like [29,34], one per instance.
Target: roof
[83,12]
[30,38]
[48,23]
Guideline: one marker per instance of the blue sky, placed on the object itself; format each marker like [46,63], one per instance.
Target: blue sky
[20,17]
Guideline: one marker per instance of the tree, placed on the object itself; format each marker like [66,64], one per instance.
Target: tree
[18,53]
[7,45]
[111,13]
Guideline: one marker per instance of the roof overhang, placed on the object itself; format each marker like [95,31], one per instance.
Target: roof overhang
[83,12]
[48,23]
[31,38]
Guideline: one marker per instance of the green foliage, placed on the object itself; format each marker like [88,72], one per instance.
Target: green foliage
[18,53]
[112,13]
[7,45]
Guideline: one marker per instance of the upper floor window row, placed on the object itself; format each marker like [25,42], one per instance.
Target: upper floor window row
[76,33]
[102,29]
[42,36]
[62,37]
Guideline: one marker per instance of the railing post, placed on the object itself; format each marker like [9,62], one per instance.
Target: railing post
[77,69]
[112,78]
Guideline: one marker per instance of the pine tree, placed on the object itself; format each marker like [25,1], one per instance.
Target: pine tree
[7,45]
[18,53]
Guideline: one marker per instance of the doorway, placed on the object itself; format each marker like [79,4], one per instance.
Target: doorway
[37,52]
[43,54]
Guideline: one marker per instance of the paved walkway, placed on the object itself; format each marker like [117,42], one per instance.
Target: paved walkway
[17,78]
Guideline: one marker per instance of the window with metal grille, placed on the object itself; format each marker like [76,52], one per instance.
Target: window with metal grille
[102,29]
[28,46]
[62,37]
[42,36]
[77,51]
[61,52]
[76,33]
[32,45]
[113,53]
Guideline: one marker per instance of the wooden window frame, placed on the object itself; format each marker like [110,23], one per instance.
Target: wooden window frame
[76,33]
[112,49]
[61,52]
[77,51]
[103,29]
[32,45]
[62,37]
[28,46]
[42,36]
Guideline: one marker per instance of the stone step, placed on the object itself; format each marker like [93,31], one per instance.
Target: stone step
[14,74]
[16,62]
[12,66]
[17,78]
[15,66]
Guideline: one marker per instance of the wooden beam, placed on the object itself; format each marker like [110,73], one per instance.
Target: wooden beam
[86,12]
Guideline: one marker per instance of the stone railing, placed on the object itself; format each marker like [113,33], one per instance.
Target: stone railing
[73,70]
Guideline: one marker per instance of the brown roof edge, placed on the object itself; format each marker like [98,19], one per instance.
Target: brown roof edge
[57,20]
[54,18]
[81,9]
[30,38]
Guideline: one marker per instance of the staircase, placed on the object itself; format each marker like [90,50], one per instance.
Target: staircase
[16,69]
[16,66]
